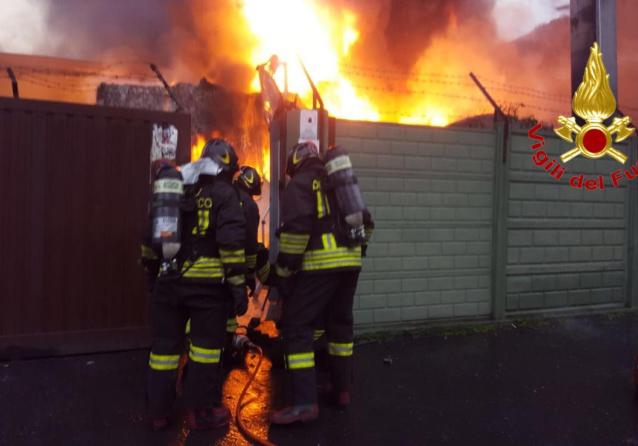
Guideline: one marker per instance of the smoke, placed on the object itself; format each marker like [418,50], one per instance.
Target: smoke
[397,32]
[199,37]
[98,29]
[19,17]
[190,39]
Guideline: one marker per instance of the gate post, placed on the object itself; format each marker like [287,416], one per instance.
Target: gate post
[499,219]
[631,232]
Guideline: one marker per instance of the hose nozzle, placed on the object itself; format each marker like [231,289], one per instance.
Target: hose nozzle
[241,342]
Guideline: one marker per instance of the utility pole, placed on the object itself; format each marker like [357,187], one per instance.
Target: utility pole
[593,21]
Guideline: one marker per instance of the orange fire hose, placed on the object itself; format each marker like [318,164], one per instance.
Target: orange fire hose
[240,404]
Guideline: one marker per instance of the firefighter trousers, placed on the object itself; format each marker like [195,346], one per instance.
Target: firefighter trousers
[329,293]
[173,302]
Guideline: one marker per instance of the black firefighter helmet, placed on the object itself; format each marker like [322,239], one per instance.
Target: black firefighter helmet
[220,151]
[300,153]
[249,179]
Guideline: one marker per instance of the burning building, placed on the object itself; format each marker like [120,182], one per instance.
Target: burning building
[466,227]
[382,60]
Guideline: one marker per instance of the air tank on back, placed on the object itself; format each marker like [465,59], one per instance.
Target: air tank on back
[168,189]
[342,180]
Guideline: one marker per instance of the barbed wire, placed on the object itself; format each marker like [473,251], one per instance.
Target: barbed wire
[77,74]
[43,77]
[398,73]
[56,85]
[452,80]
[441,80]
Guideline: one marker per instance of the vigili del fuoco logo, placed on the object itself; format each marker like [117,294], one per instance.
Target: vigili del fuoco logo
[593,102]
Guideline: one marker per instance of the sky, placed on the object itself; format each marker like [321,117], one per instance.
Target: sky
[23,26]
[515,18]
[23,22]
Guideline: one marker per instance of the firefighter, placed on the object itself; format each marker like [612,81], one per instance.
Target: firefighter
[322,358]
[316,272]
[248,183]
[209,280]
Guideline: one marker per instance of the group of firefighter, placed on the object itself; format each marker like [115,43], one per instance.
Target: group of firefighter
[208,282]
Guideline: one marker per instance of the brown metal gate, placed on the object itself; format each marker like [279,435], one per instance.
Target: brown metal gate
[73,197]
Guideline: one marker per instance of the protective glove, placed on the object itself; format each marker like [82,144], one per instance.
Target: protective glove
[240,299]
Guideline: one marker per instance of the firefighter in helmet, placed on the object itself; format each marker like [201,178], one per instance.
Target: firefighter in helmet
[210,279]
[248,183]
[316,272]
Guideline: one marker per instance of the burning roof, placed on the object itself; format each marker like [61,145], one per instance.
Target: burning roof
[388,60]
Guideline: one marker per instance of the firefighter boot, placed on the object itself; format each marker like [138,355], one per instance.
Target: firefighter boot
[293,414]
[208,418]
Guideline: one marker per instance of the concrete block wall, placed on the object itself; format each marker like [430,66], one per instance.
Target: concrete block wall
[430,191]
[566,247]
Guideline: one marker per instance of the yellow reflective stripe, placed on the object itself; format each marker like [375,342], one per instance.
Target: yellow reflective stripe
[237,280]
[317,334]
[290,243]
[232,256]
[203,221]
[204,355]
[340,349]
[148,253]
[331,258]
[203,275]
[320,210]
[231,325]
[163,362]
[204,268]
[188,327]
[283,272]
[292,238]
[332,253]
[295,250]
[329,241]
[251,261]
[318,266]
[297,361]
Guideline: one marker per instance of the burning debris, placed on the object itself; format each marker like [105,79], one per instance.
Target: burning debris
[215,112]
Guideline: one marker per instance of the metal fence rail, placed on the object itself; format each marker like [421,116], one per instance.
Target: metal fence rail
[73,191]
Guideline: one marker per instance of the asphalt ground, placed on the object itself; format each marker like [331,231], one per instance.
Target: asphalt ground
[557,382]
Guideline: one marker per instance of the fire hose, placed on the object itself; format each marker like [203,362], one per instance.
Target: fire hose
[243,342]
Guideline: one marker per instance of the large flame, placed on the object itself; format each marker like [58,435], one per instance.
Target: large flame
[323,43]
[323,38]
[594,100]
